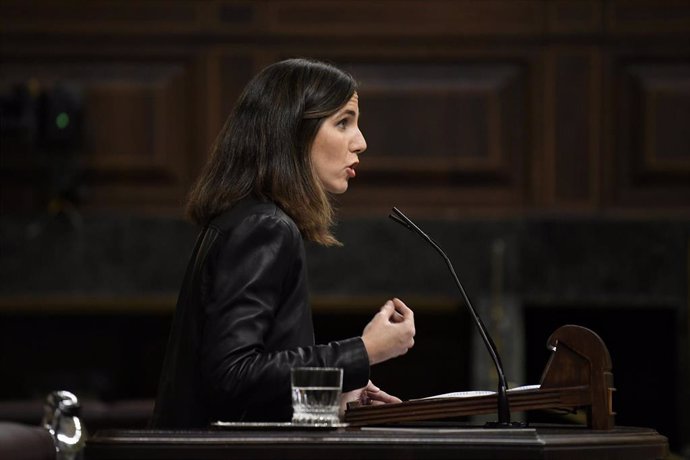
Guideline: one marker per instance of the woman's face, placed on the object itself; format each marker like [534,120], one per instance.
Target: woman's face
[336,147]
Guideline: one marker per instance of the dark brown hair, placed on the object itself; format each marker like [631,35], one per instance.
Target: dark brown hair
[264,147]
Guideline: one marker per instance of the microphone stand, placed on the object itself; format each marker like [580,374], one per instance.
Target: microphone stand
[501,395]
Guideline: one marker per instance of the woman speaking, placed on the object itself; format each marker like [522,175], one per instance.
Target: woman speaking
[243,319]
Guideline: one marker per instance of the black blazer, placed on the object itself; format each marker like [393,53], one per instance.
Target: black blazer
[241,323]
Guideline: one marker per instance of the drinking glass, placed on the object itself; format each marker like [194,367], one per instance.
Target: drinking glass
[316,395]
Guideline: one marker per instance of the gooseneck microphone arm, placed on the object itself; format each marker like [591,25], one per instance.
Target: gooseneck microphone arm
[502,397]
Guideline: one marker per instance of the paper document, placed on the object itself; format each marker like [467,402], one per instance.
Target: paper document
[469,394]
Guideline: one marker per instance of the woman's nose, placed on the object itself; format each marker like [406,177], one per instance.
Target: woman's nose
[359,144]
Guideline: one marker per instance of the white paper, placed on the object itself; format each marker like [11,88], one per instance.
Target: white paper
[470,394]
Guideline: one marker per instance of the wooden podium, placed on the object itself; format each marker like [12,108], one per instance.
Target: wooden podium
[577,376]
[386,443]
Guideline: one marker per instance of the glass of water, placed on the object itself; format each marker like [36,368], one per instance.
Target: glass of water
[316,395]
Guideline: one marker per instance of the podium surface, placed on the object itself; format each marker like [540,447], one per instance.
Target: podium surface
[440,441]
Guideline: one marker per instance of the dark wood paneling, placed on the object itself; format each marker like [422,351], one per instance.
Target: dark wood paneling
[130,143]
[458,125]
[469,106]
[432,17]
[666,133]
[456,113]
[652,144]
[574,16]
[647,17]
[573,136]
[572,126]
[167,16]
[234,72]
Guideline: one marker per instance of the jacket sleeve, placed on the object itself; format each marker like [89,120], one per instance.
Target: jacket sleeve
[247,280]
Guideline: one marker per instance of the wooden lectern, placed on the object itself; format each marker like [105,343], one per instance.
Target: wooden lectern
[577,376]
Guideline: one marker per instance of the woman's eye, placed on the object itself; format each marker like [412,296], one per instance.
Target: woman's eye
[342,123]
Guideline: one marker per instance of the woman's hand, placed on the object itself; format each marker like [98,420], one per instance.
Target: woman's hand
[369,395]
[390,333]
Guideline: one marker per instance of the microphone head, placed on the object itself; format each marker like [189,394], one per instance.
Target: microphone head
[400,218]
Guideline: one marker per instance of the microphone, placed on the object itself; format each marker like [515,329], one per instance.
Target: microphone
[501,395]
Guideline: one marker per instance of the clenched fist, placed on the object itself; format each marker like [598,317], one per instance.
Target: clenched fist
[390,333]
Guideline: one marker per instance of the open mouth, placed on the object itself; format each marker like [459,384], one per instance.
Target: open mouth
[351,170]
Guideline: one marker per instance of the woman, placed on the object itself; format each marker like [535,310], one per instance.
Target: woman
[243,319]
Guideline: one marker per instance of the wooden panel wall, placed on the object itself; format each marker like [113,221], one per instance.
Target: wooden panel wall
[497,107]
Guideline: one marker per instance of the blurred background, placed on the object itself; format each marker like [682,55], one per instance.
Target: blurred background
[544,144]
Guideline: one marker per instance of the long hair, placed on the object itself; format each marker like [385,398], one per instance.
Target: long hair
[264,146]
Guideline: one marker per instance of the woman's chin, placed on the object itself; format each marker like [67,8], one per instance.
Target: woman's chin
[338,190]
